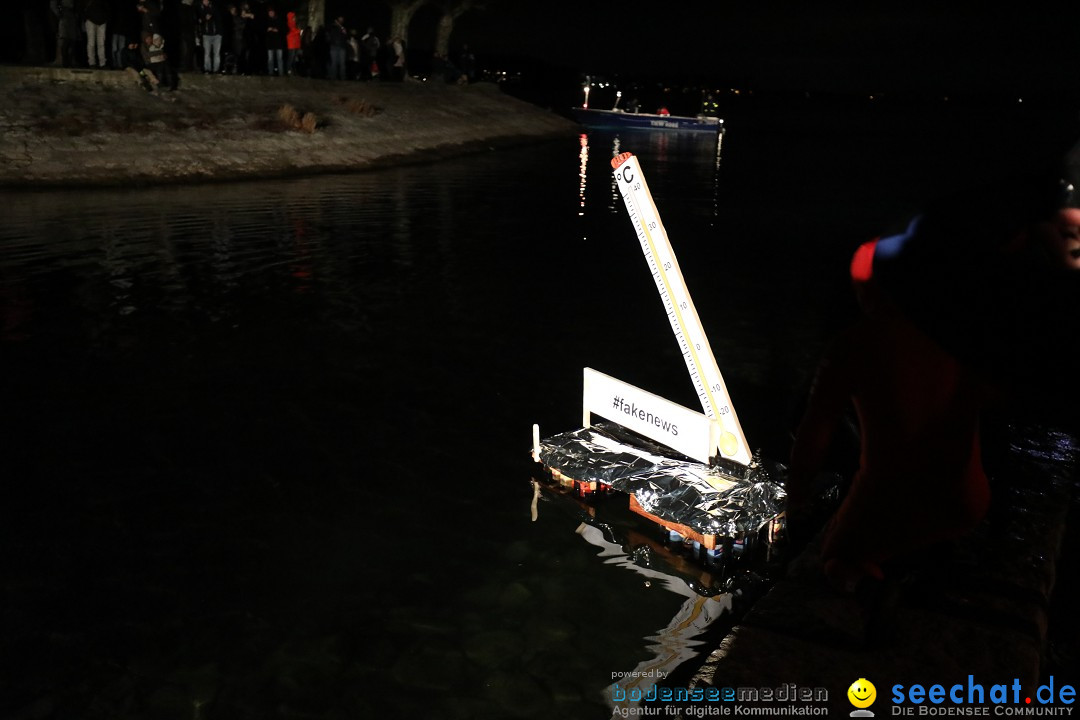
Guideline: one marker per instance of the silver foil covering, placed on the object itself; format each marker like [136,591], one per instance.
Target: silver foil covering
[727,501]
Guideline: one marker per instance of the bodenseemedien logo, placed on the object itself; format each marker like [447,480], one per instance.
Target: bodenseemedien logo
[862,694]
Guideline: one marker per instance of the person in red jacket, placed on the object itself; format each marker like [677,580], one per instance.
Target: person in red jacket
[920,479]
[971,308]
[292,43]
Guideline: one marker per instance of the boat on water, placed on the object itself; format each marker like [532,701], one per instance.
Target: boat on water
[617,119]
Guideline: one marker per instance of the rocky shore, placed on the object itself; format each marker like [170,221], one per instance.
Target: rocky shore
[68,128]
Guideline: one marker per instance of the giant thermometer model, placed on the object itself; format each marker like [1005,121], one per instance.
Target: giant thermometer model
[710,491]
[726,435]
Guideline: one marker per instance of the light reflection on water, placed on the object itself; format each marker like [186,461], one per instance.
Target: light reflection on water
[676,643]
[691,161]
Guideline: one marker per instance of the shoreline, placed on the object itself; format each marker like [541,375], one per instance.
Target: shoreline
[76,128]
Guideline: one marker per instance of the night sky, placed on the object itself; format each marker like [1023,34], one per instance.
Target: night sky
[799,45]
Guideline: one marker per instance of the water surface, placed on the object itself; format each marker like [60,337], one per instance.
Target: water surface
[266,444]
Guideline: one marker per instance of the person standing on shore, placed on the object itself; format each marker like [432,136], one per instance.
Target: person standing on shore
[188,23]
[275,43]
[467,64]
[150,10]
[239,24]
[338,38]
[123,27]
[249,37]
[210,22]
[54,25]
[352,65]
[67,31]
[96,18]
[292,43]
[307,50]
[369,60]
[397,68]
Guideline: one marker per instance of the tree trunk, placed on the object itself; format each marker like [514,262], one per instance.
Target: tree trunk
[316,14]
[401,14]
[442,34]
[451,12]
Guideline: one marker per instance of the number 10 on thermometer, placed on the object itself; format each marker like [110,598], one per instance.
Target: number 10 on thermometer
[681,312]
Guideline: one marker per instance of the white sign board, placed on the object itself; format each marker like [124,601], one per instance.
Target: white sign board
[682,429]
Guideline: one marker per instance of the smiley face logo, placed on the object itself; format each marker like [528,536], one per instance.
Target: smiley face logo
[862,693]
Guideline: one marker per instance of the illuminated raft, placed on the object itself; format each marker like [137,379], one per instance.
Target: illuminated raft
[701,503]
[690,472]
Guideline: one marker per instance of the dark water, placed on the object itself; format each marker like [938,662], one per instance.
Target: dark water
[266,445]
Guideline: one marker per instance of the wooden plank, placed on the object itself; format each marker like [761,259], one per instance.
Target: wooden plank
[707,541]
[583,487]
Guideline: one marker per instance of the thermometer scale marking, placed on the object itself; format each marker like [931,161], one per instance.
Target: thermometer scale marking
[685,323]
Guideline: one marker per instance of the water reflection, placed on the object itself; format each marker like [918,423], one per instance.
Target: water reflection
[583,166]
[118,273]
[673,644]
[615,203]
[696,160]
[716,177]
[208,250]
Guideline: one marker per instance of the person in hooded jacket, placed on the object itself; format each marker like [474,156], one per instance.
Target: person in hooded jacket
[920,479]
[965,313]
[293,49]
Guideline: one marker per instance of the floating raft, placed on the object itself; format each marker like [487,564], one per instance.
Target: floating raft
[689,472]
[710,505]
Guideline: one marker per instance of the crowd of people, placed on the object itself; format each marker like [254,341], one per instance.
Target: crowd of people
[228,38]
